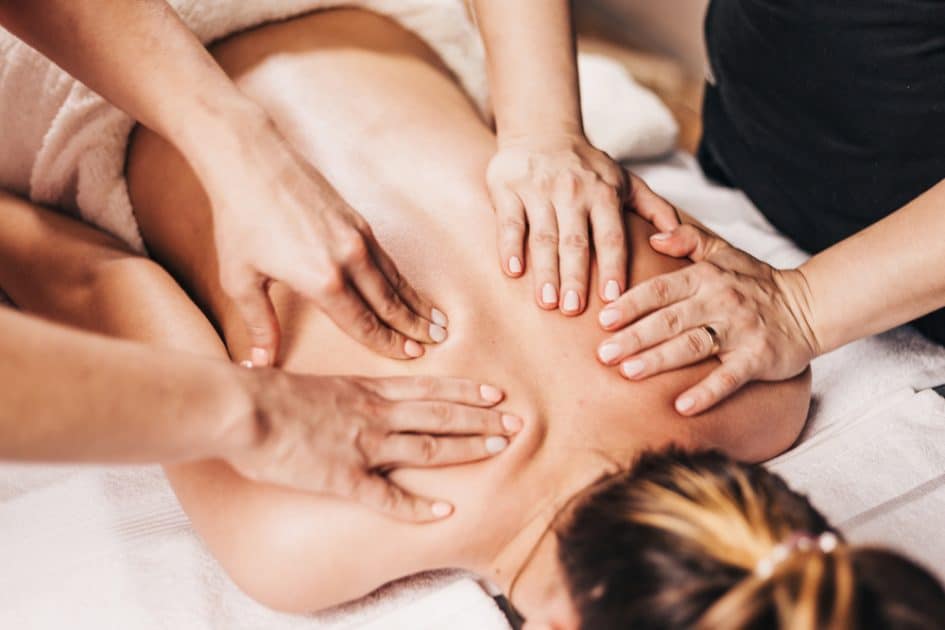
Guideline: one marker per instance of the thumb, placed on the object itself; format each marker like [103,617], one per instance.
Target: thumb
[381,494]
[255,309]
[687,241]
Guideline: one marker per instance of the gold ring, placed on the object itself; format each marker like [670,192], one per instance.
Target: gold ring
[714,337]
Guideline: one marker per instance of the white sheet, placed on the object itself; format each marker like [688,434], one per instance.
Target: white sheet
[102,548]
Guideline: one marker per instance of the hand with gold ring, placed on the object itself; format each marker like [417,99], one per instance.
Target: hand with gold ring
[754,318]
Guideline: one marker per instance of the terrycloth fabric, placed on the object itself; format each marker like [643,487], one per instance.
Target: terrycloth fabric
[64,146]
[102,548]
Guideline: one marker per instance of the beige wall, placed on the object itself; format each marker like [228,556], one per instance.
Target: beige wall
[668,26]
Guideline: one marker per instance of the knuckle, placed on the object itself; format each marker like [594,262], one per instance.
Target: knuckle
[354,249]
[512,225]
[545,238]
[426,386]
[429,448]
[671,321]
[661,291]
[728,381]
[367,323]
[611,239]
[576,241]
[330,282]
[442,412]
[569,184]
[696,342]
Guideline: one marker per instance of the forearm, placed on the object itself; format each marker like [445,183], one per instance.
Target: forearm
[74,396]
[884,276]
[532,65]
[140,56]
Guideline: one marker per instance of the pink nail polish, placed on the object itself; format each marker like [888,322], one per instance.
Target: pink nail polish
[515,265]
[490,393]
[632,368]
[662,236]
[685,403]
[512,424]
[260,357]
[441,509]
[413,349]
[608,317]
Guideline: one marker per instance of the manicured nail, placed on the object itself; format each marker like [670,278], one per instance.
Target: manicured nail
[441,509]
[438,317]
[515,265]
[496,444]
[260,356]
[632,368]
[413,349]
[549,295]
[608,352]
[437,333]
[571,301]
[662,236]
[490,393]
[512,424]
[608,317]
[611,291]
[246,364]
[685,403]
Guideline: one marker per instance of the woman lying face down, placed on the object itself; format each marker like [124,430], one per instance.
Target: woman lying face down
[701,541]
[375,111]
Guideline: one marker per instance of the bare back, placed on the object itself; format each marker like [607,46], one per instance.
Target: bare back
[372,108]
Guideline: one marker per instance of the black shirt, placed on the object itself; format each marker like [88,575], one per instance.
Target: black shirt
[829,114]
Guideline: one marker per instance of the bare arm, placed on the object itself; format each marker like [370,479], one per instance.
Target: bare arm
[140,56]
[886,275]
[547,180]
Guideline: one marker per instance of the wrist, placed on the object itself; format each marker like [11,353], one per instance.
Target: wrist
[799,301]
[540,132]
[235,426]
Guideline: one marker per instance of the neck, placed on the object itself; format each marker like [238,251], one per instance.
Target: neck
[513,555]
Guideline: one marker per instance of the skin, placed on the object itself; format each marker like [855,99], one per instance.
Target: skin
[551,189]
[428,206]
[318,434]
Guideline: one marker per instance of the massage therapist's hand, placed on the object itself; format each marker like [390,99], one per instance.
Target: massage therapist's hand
[341,435]
[757,317]
[559,191]
[276,218]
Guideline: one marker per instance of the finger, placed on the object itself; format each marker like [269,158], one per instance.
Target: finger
[457,390]
[426,451]
[383,298]
[724,381]
[543,252]
[381,494]
[653,329]
[651,295]
[442,418]
[686,241]
[416,302]
[652,207]
[574,257]
[345,307]
[610,241]
[510,224]
[691,347]
[255,309]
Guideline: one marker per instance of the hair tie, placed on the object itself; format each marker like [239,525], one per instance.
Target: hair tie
[799,542]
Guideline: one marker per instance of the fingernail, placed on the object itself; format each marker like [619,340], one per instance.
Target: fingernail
[413,349]
[608,317]
[438,317]
[571,301]
[549,295]
[441,509]
[611,291]
[496,444]
[246,364]
[515,265]
[437,333]
[632,368]
[685,403]
[512,424]
[608,352]
[662,236]
[260,356]
[490,393]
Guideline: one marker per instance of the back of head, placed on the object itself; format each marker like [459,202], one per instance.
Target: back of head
[700,541]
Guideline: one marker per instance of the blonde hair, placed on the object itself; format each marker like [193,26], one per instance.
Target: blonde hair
[697,540]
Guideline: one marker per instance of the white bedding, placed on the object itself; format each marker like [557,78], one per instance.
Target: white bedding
[103,548]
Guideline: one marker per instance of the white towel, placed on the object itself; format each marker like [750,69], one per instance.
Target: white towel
[64,146]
